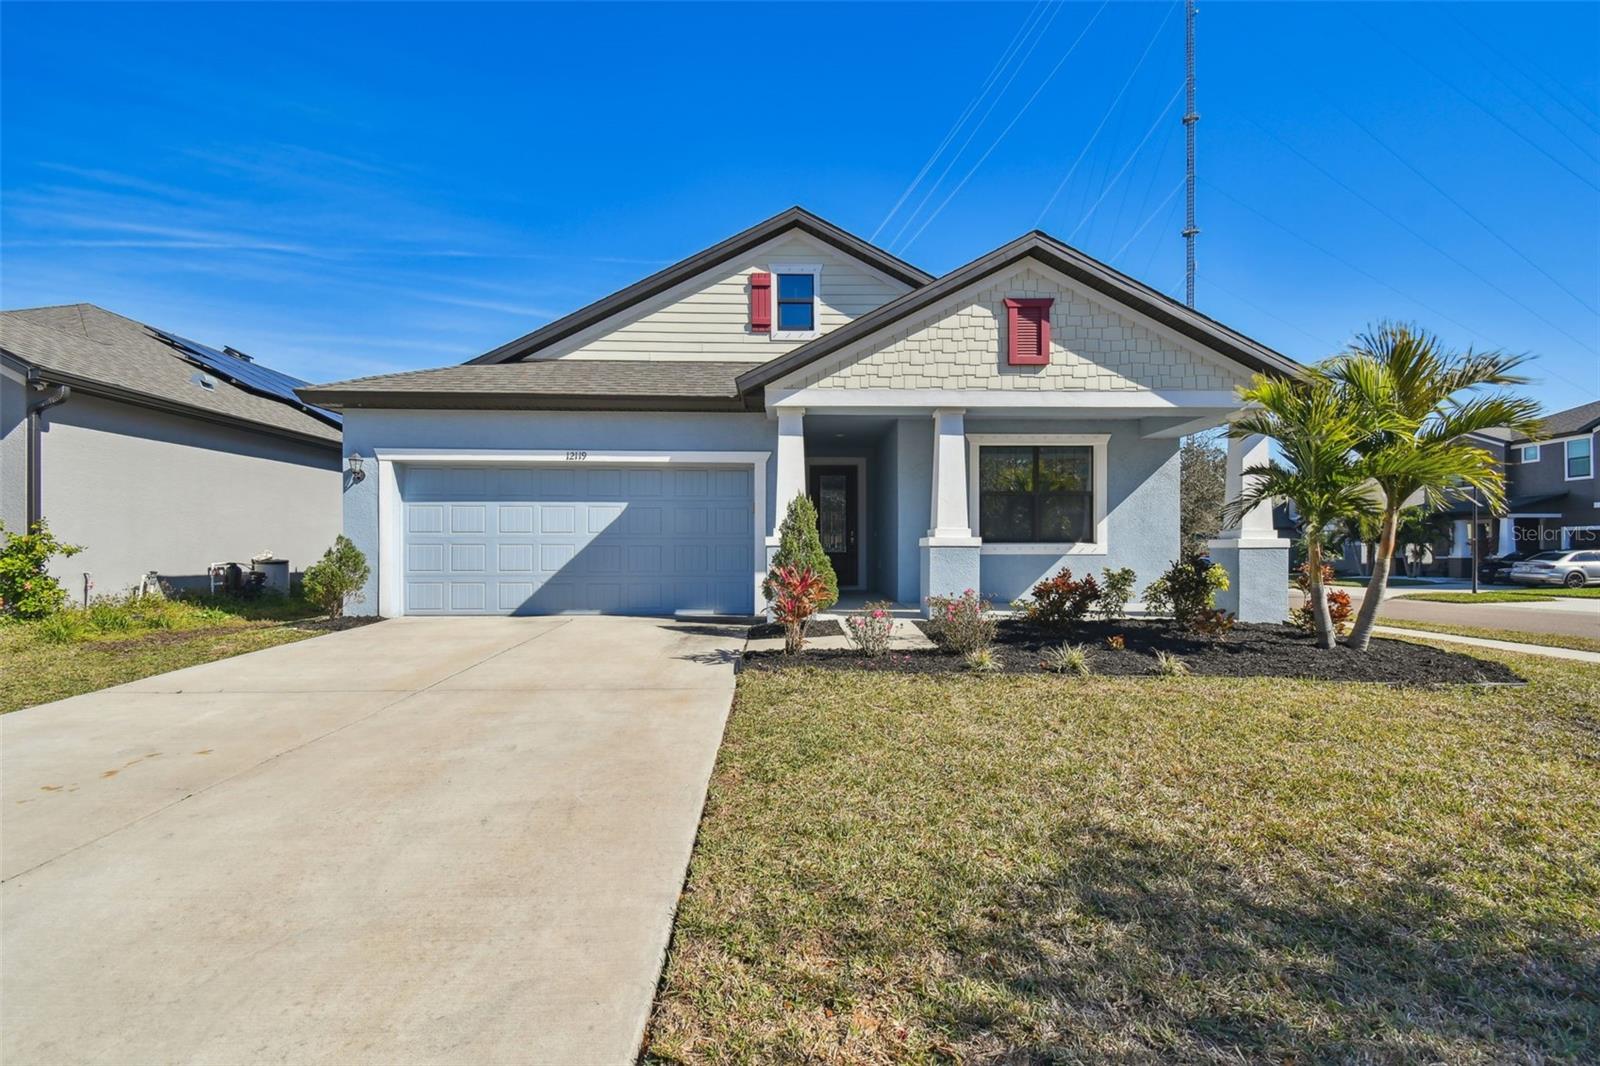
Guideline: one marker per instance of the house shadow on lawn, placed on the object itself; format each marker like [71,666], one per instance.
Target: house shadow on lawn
[1134,950]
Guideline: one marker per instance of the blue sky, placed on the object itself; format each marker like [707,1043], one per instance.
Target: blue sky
[344,190]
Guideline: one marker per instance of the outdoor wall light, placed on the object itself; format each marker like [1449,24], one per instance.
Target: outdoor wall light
[356,473]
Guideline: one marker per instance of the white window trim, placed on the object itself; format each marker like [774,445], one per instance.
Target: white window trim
[815,270]
[1566,460]
[391,507]
[1096,441]
[1523,450]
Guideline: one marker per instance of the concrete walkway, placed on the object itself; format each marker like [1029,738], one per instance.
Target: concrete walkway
[426,840]
[1574,654]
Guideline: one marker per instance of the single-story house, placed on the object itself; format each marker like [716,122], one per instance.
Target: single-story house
[976,430]
[156,453]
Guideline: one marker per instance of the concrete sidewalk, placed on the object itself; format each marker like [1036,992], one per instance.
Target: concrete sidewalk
[1572,654]
[426,840]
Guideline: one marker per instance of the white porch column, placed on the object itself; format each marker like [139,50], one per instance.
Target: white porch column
[1256,558]
[1508,537]
[948,516]
[1461,541]
[791,477]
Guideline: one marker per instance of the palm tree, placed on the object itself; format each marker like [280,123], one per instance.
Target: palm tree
[1317,432]
[1427,399]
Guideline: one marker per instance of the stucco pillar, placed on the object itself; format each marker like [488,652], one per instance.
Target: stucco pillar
[791,475]
[1256,558]
[950,553]
[1461,539]
[1508,537]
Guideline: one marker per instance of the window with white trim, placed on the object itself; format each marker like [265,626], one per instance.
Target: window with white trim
[796,288]
[1041,493]
[1580,458]
[1530,453]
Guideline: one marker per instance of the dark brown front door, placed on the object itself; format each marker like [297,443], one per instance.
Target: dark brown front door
[833,489]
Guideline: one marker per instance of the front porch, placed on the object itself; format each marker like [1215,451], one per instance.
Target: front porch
[921,502]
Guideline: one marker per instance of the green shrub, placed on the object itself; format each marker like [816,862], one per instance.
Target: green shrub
[1116,589]
[800,548]
[110,616]
[337,577]
[1188,591]
[962,624]
[982,661]
[26,588]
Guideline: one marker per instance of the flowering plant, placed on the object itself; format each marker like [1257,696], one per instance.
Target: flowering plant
[961,624]
[870,629]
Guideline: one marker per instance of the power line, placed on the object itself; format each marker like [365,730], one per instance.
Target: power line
[1103,119]
[1015,119]
[1149,218]
[1405,226]
[1038,35]
[1508,61]
[1118,175]
[1322,341]
[1005,57]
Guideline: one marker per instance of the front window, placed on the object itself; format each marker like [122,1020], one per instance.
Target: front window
[1036,494]
[1580,458]
[1530,453]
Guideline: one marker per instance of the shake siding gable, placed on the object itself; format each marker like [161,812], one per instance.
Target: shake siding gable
[708,317]
[962,344]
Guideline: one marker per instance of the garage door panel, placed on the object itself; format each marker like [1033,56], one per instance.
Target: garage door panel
[642,540]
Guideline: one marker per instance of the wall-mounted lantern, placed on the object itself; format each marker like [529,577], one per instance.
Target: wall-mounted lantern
[356,473]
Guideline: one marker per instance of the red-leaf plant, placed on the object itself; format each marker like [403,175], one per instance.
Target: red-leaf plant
[796,593]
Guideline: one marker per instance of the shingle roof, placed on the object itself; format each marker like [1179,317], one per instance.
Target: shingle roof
[1573,420]
[91,348]
[628,384]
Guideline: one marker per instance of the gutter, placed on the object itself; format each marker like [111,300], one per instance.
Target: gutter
[36,408]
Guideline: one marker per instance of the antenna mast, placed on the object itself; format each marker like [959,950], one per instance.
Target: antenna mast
[1189,119]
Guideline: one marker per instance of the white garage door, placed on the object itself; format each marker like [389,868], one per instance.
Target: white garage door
[582,539]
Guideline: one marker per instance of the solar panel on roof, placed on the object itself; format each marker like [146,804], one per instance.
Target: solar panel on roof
[239,369]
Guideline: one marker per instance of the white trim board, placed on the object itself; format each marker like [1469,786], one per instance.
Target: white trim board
[1096,441]
[1103,403]
[391,506]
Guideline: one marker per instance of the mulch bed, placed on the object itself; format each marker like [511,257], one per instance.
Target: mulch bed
[1246,651]
[822,627]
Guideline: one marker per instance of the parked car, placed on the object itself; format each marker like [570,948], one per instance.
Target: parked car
[1497,571]
[1574,569]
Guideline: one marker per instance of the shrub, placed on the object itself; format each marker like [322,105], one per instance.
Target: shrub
[26,588]
[1187,591]
[337,577]
[1169,665]
[1340,609]
[800,545]
[1116,642]
[962,624]
[1116,589]
[1058,601]
[797,594]
[982,661]
[1212,623]
[110,616]
[61,627]
[1067,659]
[870,629]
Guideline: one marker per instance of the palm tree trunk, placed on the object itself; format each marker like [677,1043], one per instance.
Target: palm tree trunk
[1319,595]
[1367,617]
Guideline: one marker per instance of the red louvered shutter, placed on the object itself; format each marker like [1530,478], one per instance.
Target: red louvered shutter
[1028,332]
[760,303]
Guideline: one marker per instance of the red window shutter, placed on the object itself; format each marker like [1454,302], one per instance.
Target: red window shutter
[1028,332]
[760,302]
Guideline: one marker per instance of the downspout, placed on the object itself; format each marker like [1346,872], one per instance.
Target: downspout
[36,410]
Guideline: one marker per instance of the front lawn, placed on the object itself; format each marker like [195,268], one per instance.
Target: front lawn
[1500,595]
[1548,640]
[899,868]
[110,643]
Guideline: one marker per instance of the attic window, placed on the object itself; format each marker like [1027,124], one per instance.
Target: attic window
[796,287]
[1028,332]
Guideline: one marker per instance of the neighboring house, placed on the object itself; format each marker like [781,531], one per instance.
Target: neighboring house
[1552,493]
[978,430]
[156,453]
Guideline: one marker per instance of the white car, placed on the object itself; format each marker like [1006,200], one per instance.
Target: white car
[1574,569]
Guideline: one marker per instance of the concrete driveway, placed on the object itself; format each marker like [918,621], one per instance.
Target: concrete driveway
[425,840]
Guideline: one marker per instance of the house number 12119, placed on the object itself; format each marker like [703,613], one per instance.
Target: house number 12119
[577,456]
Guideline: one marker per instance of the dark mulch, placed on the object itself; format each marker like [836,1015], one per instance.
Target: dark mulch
[1247,651]
[822,627]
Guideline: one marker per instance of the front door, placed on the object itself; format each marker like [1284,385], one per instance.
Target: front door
[834,492]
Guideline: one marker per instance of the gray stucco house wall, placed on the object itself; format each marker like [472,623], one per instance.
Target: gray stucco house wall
[152,463]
